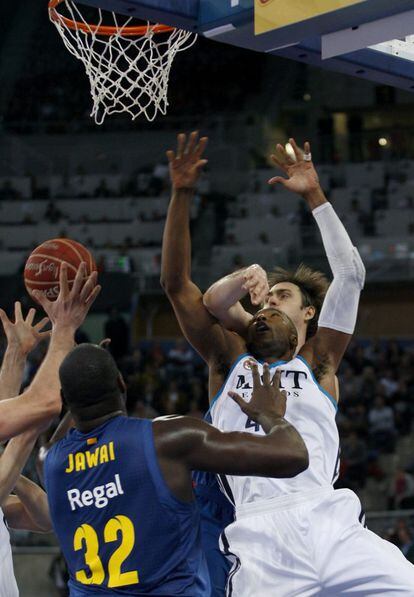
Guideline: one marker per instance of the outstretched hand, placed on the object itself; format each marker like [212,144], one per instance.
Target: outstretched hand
[301,173]
[22,334]
[267,399]
[71,306]
[186,163]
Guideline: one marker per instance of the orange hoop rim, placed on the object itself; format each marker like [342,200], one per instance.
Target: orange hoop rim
[103,29]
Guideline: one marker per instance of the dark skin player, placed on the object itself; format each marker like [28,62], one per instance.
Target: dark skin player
[217,346]
[183,443]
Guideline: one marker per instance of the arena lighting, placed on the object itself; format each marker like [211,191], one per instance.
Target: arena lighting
[383,142]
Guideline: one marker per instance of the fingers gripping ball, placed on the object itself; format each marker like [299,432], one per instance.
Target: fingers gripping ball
[41,271]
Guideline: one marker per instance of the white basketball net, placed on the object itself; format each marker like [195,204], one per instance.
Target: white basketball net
[126,74]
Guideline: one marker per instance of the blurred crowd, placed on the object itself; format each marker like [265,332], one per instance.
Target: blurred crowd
[376,383]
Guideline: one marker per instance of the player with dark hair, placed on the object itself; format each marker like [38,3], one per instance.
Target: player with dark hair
[120,489]
[32,411]
[285,531]
[300,294]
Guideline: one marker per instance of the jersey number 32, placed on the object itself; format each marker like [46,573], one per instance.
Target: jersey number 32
[86,538]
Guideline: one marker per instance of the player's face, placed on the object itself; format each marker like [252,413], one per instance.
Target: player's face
[287,297]
[271,326]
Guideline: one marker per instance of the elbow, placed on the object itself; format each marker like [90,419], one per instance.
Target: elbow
[171,284]
[52,407]
[208,301]
[359,269]
[45,529]
[298,462]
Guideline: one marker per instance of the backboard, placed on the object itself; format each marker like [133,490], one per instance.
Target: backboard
[371,39]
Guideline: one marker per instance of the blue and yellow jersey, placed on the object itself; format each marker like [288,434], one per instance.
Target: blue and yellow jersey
[120,528]
[216,514]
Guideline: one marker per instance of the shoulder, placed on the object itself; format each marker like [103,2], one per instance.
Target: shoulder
[318,358]
[322,371]
[175,434]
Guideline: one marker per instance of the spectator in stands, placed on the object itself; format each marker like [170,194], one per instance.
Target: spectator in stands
[402,490]
[405,540]
[368,381]
[141,410]
[174,399]
[117,330]
[180,360]
[357,359]
[354,456]
[402,408]
[350,386]
[53,213]
[132,364]
[157,355]
[382,425]
[389,383]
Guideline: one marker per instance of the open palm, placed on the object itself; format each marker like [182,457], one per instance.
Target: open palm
[22,334]
[186,163]
[302,176]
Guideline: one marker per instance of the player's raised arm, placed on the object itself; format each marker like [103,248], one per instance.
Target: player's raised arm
[28,508]
[279,453]
[223,297]
[42,399]
[199,327]
[22,337]
[340,308]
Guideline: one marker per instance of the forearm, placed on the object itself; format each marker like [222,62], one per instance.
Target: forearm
[42,400]
[45,387]
[34,501]
[288,445]
[11,373]
[13,460]
[226,292]
[222,301]
[340,307]
[287,454]
[176,245]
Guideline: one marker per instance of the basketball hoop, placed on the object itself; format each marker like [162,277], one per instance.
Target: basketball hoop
[128,66]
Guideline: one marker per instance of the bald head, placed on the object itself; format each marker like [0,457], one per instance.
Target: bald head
[89,376]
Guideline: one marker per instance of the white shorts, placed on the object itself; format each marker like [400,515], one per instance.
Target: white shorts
[311,544]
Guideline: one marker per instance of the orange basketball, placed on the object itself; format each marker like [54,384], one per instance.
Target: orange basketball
[42,269]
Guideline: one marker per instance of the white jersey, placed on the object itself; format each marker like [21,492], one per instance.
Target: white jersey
[309,408]
[8,585]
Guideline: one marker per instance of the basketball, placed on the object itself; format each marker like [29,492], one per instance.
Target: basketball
[42,268]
